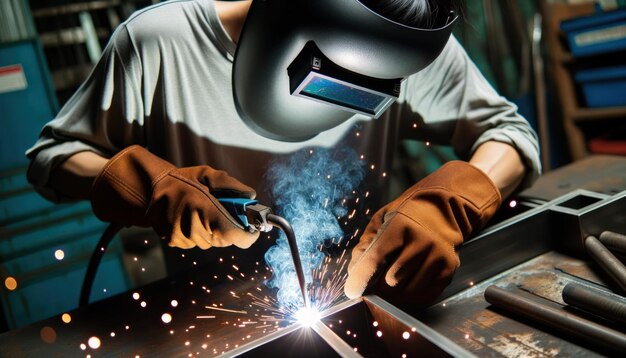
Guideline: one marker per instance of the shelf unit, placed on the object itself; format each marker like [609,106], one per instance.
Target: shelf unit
[73,34]
[574,114]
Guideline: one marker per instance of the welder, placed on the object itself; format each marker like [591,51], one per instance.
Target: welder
[192,98]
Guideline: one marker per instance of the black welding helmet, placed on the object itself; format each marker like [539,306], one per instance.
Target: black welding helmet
[305,66]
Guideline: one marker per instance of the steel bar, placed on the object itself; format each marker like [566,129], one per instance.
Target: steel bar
[444,343]
[339,345]
[606,260]
[557,319]
[599,302]
[613,241]
[284,225]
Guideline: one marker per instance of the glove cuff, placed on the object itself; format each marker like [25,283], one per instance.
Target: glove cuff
[469,182]
[465,195]
[123,189]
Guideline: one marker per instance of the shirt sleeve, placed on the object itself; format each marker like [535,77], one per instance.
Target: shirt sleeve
[457,103]
[104,116]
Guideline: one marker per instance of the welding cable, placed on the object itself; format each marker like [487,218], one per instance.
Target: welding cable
[599,302]
[606,260]
[107,236]
[555,318]
[613,241]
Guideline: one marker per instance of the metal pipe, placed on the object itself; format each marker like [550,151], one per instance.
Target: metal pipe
[556,318]
[606,260]
[599,302]
[284,225]
[613,241]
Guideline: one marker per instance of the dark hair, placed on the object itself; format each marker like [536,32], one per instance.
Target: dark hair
[425,14]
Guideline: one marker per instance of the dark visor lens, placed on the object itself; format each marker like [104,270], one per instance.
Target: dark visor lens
[343,94]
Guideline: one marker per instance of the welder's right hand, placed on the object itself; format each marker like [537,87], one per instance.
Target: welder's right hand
[138,188]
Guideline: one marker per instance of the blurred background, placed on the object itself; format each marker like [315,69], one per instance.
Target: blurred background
[562,62]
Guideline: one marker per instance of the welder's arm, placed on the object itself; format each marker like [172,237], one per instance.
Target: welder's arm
[138,188]
[407,253]
[74,177]
[502,164]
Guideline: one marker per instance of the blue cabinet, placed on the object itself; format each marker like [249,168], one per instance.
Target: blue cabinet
[27,100]
[44,247]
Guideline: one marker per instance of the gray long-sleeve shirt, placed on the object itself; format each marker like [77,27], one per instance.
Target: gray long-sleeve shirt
[164,82]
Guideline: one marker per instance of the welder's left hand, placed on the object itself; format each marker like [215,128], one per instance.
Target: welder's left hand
[407,253]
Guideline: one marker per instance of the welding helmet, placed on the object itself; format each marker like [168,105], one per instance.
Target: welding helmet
[305,66]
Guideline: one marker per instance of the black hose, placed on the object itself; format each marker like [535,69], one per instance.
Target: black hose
[94,262]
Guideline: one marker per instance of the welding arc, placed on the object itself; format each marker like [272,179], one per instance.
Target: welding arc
[284,225]
[599,302]
[555,318]
[606,260]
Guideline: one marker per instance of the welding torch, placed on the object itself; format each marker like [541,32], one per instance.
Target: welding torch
[256,217]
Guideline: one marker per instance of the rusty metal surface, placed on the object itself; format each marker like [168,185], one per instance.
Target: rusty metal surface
[559,319]
[599,173]
[471,322]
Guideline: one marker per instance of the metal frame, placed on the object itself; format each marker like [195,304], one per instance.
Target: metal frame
[537,231]
[341,347]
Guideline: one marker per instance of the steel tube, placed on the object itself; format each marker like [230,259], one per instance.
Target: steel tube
[613,241]
[606,260]
[284,225]
[557,319]
[599,302]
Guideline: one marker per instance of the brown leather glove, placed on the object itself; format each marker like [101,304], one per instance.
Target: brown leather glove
[407,253]
[138,188]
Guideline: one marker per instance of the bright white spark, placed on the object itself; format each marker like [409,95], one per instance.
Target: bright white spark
[94,342]
[307,316]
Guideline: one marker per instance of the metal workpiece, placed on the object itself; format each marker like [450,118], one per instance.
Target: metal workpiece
[522,305]
[579,214]
[561,224]
[607,261]
[362,327]
[599,302]
[298,340]
[403,319]
[284,225]
[613,241]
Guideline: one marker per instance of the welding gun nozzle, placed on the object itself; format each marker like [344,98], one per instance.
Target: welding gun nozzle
[261,218]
